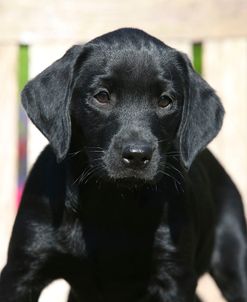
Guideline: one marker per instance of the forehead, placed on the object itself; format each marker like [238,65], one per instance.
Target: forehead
[131,57]
[132,62]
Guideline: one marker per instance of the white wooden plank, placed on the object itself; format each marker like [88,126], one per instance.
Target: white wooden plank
[57,291]
[225,68]
[41,56]
[206,289]
[8,144]
[181,45]
[75,19]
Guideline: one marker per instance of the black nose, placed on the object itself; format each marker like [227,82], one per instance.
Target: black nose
[137,156]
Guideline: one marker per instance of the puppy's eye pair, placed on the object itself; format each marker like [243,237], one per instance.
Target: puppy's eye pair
[164,101]
[102,97]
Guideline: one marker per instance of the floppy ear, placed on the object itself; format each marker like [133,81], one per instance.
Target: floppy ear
[202,116]
[46,100]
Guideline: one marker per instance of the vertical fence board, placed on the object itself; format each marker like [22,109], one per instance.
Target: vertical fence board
[8,143]
[225,68]
[181,45]
[41,56]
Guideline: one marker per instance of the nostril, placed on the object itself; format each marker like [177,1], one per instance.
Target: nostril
[127,159]
[137,156]
[146,160]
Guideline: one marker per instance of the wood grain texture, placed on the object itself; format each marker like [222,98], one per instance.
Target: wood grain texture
[8,144]
[80,20]
[225,68]
[206,289]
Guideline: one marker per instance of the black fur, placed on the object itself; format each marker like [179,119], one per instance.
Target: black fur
[124,204]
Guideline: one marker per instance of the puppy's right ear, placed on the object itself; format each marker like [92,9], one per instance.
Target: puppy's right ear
[46,100]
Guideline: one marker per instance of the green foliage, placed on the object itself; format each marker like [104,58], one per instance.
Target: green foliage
[197,57]
[23,66]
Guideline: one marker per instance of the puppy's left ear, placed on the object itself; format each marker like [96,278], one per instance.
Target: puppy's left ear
[46,100]
[202,115]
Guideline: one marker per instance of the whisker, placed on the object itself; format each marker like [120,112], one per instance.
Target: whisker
[94,148]
[167,174]
[81,176]
[169,165]
[97,151]
[99,159]
[76,180]
[176,182]
[163,140]
[173,153]
[175,157]
[85,177]
[72,154]
[97,169]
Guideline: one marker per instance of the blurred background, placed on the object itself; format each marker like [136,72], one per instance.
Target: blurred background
[35,33]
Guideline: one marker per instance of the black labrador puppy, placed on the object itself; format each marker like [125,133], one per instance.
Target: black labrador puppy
[123,203]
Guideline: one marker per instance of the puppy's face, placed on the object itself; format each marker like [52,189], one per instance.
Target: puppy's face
[127,101]
[128,105]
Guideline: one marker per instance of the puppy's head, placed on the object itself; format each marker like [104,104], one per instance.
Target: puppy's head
[132,102]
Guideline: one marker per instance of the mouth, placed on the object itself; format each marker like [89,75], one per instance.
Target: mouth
[131,178]
[121,173]
[118,175]
[132,183]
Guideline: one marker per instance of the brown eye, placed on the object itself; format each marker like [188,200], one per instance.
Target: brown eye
[102,97]
[164,101]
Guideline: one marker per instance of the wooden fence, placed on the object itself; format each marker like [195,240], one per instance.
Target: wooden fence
[223,49]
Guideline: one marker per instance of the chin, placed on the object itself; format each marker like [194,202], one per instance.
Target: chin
[132,180]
